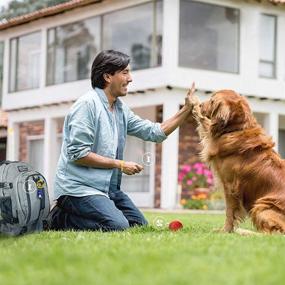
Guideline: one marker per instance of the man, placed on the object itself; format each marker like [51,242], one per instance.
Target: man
[90,167]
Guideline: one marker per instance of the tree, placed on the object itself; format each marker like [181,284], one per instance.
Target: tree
[20,7]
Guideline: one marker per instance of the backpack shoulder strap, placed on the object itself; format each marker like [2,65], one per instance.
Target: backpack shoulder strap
[5,162]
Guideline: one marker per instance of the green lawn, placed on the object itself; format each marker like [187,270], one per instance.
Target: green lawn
[149,256]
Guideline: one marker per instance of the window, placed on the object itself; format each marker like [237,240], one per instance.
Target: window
[71,50]
[136,31]
[281,145]
[35,153]
[267,45]
[136,150]
[209,37]
[25,62]
[1,70]
[3,145]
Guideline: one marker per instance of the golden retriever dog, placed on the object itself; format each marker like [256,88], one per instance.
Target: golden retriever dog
[243,161]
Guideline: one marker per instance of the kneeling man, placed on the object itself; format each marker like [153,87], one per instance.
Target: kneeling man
[90,166]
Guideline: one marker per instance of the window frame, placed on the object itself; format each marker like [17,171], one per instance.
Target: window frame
[2,43]
[101,45]
[17,62]
[238,37]
[153,56]
[31,138]
[54,28]
[274,62]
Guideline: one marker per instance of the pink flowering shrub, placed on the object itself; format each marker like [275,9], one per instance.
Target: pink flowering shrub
[196,182]
[196,175]
[197,188]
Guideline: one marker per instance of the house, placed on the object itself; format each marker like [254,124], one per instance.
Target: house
[219,44]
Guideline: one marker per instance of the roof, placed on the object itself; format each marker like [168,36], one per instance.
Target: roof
[45,12]
[64,7]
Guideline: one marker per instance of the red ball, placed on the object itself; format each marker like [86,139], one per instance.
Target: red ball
[175,225]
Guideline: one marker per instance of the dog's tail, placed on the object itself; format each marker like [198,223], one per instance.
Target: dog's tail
[268,215]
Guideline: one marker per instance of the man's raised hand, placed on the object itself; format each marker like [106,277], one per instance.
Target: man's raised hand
[191,100]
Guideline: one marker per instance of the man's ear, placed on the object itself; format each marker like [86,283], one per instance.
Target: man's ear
[107,77]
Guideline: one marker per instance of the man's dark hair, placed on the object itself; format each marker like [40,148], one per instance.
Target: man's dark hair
[107,61]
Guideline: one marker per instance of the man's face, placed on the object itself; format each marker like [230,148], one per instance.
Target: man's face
[119,82]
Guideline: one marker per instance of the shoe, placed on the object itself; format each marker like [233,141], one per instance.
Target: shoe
[50,223]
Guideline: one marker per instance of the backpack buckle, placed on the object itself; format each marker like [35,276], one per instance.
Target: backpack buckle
[6,185]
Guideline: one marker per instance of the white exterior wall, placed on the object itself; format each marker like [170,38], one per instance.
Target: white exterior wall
[246,82]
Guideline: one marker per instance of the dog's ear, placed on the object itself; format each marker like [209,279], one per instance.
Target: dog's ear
[229,117]
[220,116]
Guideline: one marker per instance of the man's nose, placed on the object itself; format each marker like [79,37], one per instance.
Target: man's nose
[130,79]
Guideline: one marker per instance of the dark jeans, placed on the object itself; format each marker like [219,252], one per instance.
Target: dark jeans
[96,212]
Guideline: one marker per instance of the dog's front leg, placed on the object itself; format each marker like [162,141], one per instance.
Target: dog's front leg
[229,223]
[230,217]
[235,212]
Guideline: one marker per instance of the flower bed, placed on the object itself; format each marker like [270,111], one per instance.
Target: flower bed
[197,183]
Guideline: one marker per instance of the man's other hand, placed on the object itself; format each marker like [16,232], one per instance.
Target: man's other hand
[131,168]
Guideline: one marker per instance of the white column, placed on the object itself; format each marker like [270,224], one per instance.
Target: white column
[43,58]
[271,125]
[6,67]
[12,141]
[170,34]
[280,57]
[249,45]
[169,161]
[50,146]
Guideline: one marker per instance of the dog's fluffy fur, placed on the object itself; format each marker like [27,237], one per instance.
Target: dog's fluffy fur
[243,160]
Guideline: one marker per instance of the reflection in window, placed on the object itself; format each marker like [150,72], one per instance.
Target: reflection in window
[35,154]
[135,150]
[71,50]
[1,70]
[209,37]
[267,46]
[25,62]
[136,31]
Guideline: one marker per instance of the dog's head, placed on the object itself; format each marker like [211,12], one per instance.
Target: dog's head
[228,112]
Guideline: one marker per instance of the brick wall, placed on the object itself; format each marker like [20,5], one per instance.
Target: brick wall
[189,146]
[189,149]
[3,119]
[158,149]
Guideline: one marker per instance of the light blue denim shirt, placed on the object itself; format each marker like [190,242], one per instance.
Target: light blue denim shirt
[89,127]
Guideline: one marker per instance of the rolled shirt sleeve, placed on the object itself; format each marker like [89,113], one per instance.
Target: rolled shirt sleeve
[144,129]
[81,129]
